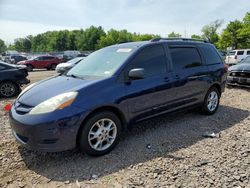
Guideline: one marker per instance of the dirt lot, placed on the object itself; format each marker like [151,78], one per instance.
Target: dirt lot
[168,151]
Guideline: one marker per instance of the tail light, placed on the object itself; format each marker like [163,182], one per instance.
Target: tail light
[235,57]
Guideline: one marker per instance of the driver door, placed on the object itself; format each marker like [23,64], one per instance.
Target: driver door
[146,96]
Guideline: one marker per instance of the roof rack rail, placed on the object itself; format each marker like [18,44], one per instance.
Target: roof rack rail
[177,38]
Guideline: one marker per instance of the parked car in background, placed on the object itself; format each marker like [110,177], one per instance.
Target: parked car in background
[41,62]
[64,67]
[245,60]
[66,58]
[235,56]
[115,87]
[240,74]
[11,78]
[14,59]
[71,53]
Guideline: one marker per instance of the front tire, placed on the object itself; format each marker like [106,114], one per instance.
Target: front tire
[53,67]
[100,133]
[9,89]
[211,101]
[29,68]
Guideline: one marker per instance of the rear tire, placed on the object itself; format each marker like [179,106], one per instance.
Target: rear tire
[211,101]
[100,134]
[53,67]
[9,89]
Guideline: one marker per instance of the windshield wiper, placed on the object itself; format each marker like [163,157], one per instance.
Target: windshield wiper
[74,76]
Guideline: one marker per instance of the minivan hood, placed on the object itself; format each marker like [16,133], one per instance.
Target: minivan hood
[240,67]
[51,87]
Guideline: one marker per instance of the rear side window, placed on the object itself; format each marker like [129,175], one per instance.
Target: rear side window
[185,57]
[240,52]
[152,59]
[248,52]
[231,53]
[210,54]
[49,58]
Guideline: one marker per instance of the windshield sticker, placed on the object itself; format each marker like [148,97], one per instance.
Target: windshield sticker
[124,50]
[107,72]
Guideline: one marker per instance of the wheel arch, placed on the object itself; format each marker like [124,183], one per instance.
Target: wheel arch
[217,86]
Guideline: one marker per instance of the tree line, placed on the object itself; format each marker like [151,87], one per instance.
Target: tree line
[236,35]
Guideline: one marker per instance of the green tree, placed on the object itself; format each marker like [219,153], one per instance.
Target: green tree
[88,39]
[114,37]
[174,35]
[209,32]
[196,36]
[230,36]
[3,47]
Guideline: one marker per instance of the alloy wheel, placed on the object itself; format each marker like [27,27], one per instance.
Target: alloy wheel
[212,101]
[102,134]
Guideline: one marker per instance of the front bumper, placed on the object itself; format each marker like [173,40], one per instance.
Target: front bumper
[52,132]
[24,81]
[240,81]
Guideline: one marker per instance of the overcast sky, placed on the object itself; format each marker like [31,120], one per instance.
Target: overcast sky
[19,18]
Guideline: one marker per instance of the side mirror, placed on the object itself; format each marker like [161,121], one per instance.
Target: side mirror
[137,73]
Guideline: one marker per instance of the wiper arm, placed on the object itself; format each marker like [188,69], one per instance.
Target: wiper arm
[74,76]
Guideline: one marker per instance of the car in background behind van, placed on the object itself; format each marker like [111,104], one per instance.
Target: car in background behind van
[235,56]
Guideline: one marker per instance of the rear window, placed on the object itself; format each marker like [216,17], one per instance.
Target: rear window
[210,54]
[185,57]
[240,52]
[231,53]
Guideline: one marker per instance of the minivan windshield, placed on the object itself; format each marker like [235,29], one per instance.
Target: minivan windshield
[102,63]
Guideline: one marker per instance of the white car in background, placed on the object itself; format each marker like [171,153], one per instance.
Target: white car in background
[64,67]
[235,56]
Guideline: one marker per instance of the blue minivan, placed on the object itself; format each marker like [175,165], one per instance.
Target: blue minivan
[93,103]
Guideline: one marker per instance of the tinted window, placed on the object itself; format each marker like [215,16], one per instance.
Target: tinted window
[248,52]
[240,52]
[231,53]
[210,54]
[185,57]
[39,58]
[49,58]
[151,59]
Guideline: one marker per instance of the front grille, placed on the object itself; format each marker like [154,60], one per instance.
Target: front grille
[240,74]
[22,108]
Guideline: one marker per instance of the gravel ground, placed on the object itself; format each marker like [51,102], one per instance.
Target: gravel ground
[168,151]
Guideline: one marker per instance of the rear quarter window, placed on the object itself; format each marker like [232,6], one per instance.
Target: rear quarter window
[240,52]
[210,54]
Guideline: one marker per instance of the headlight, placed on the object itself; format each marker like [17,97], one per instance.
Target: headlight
[58,102]
[26,89]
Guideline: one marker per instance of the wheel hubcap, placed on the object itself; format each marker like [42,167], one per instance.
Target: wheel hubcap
[7,90]
[212,101]
[102,134]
